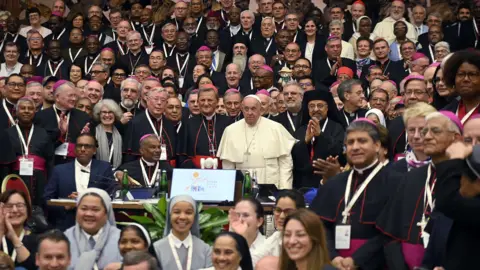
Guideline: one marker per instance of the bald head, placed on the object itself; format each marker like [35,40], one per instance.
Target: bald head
[471,131]
[267,263]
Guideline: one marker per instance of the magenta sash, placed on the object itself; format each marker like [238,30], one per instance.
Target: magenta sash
[354,245]
[413,254]
[38,162]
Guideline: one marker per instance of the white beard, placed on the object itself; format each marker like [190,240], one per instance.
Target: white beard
[240,60]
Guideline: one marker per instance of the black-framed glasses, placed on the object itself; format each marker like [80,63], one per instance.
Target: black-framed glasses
[286,211]
[14,84]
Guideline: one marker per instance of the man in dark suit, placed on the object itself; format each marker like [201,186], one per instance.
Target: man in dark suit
[70,179]
[325,69]
[291,119]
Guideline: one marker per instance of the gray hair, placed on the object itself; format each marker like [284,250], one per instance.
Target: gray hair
[443,44]
[236,65]
[371,129]
[346,87]
[168,24]
[111,105]
[24,99]
[264,61]
[105,68]
[294,84]
[335,22]
[34,84]
[131,33]
[435,14]
[89,82]
[451,125]
[156,90]
[137,257]
[267,18]
[130,80]
[63,87]
[231,93]
[249,12]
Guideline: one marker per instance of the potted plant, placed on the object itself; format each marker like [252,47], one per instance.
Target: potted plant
[211,220]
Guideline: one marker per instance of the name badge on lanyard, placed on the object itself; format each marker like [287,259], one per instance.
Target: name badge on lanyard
[26,164]
[343,234]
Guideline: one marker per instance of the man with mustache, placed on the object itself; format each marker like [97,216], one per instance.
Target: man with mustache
[384,28]
[130,92]
[292,118]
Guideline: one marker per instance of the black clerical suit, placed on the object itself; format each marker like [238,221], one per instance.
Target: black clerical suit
[5,119]
[397,137]
[366,241]
[131,61]
[291,122]
[134,169]
[47,119]
[393,69]
[321,70]
[59,69]
[35,61]
[140,126]
[200,138]
[267,47]
[347,118]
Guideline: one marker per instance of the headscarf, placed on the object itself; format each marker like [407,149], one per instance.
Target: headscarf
[103,151]
[242,247]
[195,230]
[88,257]
[379,114]
[142,229]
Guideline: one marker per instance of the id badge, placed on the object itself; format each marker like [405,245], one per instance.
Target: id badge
[399,157]
[163,155]
[26,166]
[426,238]
[181,80]
[149,49]
[62,150]
[343,236]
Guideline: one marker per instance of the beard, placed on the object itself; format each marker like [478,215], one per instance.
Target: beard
[128,103]
[214,27]
[240,60]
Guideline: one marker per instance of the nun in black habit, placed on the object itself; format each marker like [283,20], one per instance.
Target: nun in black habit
[320,115]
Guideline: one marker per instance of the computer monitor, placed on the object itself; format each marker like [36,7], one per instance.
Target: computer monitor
[212,186]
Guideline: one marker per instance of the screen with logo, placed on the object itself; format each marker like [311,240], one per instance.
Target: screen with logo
[204,185]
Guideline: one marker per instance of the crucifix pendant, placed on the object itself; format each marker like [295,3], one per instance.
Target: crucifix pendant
[212,150]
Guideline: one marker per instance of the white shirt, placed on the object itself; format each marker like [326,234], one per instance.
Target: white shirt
[95,237]
[309,51]
[216,54]
[5,73]
[82,178]
[272,246]
[259,240]
[347,51]
[178,243]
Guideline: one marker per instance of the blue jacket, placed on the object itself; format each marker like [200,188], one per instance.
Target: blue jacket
[62,183]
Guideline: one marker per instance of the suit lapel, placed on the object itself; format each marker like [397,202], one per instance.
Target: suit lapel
[72,169]
[93,173]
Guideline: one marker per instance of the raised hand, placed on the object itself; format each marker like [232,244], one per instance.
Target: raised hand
[236,223]
[85,129]
[459,150]
[10,232]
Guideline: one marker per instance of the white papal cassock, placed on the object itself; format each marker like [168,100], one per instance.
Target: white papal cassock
[264,148]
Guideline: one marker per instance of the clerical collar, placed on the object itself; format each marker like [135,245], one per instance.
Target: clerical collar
[135,54]
[246,32]
[279,22]
[9,103]
[361,171]
[209,117]
[182,54]
[149,164]
[178,243]
[235,28]
[125,107]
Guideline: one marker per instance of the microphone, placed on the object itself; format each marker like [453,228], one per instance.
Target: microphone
[112,184]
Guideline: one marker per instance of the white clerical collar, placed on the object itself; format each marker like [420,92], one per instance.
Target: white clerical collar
[178,243]
[149,164]
[209,117]
[95,237]
[235,28]
[135,54]
[79,165]
[361,171]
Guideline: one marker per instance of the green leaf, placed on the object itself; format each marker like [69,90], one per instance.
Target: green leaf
[219,222]
[214,211]
[157,215]
[204,217]
[199,207]
[142,219]
[162,205]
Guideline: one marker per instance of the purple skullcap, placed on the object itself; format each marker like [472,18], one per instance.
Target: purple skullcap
[366,120]
[394,83]
[204,49]
[209,86]
[418,55]
[332,37]
[107,50]
[38,79]
[232,90]
[267,68]
[58,84]
[263,92]
[435,64]
[411,78]
[454,118]
[146,136]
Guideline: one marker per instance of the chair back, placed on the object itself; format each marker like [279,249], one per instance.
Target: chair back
[15,182]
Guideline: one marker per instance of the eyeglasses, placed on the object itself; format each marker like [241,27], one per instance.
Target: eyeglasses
[415,93]
[305,84]
[84,145]
[435,131]
[95,72]
[286,211]
[471,75]
[119,74]
[13,85]
[20,206]
[312,107]
[301,67]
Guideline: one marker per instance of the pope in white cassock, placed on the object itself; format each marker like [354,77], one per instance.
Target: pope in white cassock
[260,145]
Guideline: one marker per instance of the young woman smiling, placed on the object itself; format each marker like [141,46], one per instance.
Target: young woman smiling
[230,252]
[181,248]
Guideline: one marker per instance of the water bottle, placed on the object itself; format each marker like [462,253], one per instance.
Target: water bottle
[164,184]
[255,188]
[247,185]
[125,186]
[156,185]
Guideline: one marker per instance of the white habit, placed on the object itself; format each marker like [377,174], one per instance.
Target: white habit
[264,148]
[384,29]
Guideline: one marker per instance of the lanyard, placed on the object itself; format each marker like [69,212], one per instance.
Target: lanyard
[60,35]
[291,121]
[149,39]
[175,254]
[153,127]
[22,139]
[56,69]
[346,118]
[39,60]
[148,181]
[198,24]
[181,69]
[475,29]
[7,111]
[295,37]
[330,66]
[58,120]
[432,55]
[88,69]
[5,247]
[111,153]
[427,197]
[120,47]
[268,46]
[179,126]
[227,22]
[3,43]
[356,195]
[251,84]
[76,55]
[465,118]
[211,141]
[313,140]
[165,49]
[136,62]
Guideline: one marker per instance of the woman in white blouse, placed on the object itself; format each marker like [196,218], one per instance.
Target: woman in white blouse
[11,65]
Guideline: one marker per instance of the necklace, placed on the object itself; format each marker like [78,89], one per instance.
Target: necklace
[247,151]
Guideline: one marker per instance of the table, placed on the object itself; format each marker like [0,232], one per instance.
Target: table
[138,204]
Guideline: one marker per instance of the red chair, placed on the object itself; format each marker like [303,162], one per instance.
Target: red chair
[15,182]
